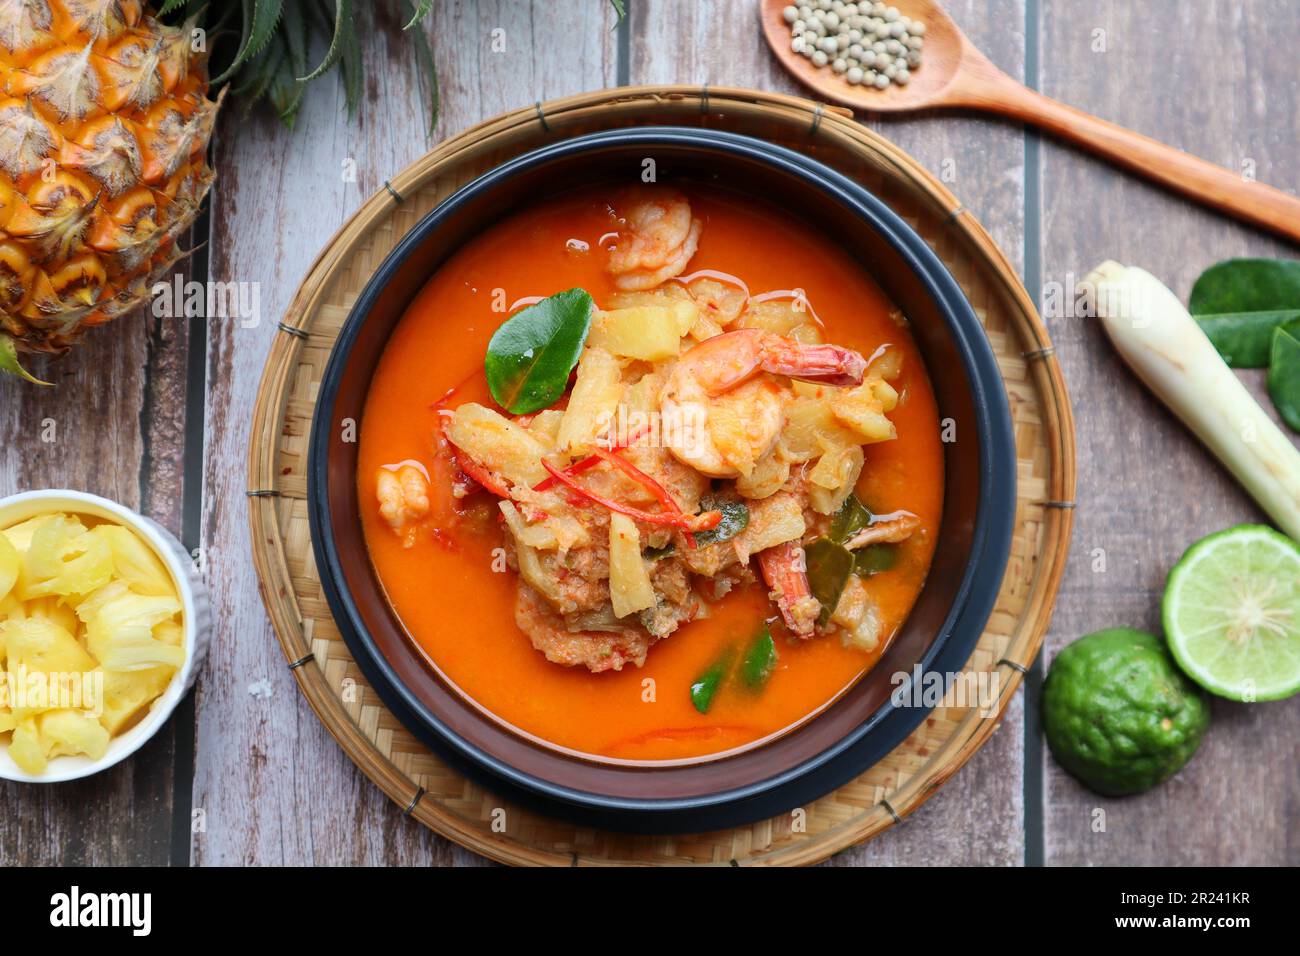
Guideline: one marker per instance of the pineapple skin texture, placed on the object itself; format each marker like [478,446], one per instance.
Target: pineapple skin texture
[104,126]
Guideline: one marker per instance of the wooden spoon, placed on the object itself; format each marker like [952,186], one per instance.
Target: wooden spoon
[953,73]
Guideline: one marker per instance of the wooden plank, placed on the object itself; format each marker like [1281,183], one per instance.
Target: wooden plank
[977,817]
[272,785]
[1204,81]
[116,417]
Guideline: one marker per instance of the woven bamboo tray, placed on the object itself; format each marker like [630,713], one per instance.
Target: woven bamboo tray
[421,784]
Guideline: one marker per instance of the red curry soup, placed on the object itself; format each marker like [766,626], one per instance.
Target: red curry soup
[651,473]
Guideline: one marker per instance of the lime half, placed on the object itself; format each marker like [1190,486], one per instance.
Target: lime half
[1232,613]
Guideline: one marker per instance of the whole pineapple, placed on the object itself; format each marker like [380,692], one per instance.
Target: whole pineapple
[104,123]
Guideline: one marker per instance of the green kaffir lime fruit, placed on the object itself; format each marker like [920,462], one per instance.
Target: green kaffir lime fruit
[1119,714]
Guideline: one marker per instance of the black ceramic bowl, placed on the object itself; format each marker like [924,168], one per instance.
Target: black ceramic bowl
[862,725]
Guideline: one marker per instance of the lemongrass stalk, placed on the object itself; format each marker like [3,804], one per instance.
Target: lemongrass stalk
[1162,343]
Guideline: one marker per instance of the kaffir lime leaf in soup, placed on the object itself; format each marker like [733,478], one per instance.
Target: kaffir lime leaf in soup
[530,356]
[1118,713]
[1232,613]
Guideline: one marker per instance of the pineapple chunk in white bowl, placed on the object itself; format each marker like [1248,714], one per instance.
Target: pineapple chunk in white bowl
[129,658]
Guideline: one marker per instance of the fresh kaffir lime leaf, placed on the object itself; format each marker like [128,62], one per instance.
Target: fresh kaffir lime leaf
[531,355]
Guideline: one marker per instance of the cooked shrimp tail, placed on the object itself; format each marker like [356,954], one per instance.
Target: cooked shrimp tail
[721,363]
[785,572]
[829,364]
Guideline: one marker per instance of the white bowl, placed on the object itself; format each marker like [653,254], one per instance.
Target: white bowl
[194,601]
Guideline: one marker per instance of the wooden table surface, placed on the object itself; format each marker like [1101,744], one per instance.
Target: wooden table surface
[155,414]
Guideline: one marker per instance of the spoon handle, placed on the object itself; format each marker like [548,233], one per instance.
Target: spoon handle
[1182,172]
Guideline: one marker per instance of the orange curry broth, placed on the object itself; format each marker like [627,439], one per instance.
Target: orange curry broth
[461,612]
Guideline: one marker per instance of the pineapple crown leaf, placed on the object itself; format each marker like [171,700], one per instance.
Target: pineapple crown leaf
[424,52]
[275,36]
[294,31]
[287,90]
[417,13]
[260,18]
[266,18]
[343,26]
[255,81]
[351,66]
[9,360]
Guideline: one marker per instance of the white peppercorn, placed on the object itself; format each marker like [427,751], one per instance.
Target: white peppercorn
[865,41]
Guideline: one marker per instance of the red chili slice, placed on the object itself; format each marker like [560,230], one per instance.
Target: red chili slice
[650,484]
[701,522]
[641,478]
[478,472]
[591,461]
